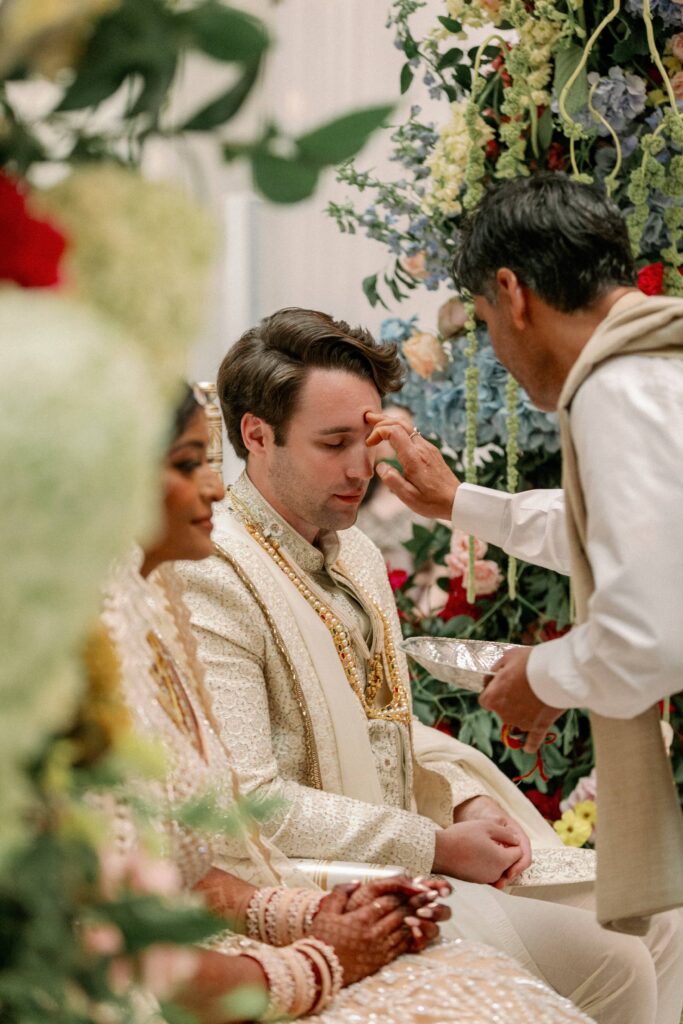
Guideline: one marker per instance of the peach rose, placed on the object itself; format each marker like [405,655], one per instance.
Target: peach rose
[677,45]
[415,265]
[487,577]
[164,969]
[425,354]
[452,318]
[677,85]
[459,557]
[102,939]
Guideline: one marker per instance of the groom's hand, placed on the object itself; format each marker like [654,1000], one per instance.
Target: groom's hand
[427,486]
[479,808]
[477,851]
[510,696]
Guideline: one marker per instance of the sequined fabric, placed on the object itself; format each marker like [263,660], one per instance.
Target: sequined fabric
[453,983]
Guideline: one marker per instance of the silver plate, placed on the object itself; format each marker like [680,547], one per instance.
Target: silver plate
[465,664]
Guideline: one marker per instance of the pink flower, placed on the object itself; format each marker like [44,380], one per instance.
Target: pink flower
[677,45]
[425,354]
[459,557]
[152,875]
[102,939]
[487,577]
[164,969]
[677,85]
[585,789]
[415,265]
[452,317]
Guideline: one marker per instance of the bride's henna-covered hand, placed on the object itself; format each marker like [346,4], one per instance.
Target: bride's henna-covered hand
[365,938]
[420,896]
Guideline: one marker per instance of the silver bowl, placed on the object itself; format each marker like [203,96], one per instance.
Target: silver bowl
[465,664]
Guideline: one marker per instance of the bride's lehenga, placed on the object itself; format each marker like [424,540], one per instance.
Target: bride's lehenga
[454,981]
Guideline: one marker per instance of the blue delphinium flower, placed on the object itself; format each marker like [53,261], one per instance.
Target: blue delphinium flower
[438,404]
[670,12]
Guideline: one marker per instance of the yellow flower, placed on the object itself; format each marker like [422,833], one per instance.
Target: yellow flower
[573,830]
[50,34]
[587,811]
[449,160]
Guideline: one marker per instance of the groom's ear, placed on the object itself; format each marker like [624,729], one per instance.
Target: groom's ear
[257,435]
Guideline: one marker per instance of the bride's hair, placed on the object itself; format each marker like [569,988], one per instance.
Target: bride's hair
[183,412]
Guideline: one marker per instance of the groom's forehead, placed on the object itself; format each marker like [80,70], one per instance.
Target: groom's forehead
[337,398]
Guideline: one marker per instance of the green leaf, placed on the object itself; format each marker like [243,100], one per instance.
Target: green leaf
[371,293]
[545,129]
[463,76]
[450,59]
[226,106]
[226,33]
[407,76]
[410,47]
[144,920]
[633,44]
[565,63]
[342,138]
[450,23]
[135,39]
[283,180]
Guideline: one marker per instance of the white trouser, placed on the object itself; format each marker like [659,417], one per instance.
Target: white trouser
[614,978]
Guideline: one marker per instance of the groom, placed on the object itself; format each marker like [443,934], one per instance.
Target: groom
[297,628]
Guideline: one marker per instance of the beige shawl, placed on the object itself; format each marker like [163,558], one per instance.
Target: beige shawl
[640,843]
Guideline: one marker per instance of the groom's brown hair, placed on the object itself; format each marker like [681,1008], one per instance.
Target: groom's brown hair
[264,371]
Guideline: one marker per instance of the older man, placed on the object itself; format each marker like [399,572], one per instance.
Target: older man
[549,266]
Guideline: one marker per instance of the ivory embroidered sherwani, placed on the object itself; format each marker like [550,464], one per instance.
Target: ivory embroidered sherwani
[353,787]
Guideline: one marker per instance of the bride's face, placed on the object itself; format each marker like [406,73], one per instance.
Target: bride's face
[190,487]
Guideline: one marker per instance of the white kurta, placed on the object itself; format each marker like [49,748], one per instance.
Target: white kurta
[627,427]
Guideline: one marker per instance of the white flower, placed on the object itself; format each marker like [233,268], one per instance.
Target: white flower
[140,251]
[449,159]
[81,427]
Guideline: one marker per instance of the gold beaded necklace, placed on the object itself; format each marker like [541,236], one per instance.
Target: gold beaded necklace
[398,708]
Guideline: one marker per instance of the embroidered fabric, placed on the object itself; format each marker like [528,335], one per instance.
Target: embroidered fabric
[454,983]
[265,728]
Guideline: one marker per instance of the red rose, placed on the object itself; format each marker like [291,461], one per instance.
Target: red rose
[444,726]
[651,278]
[457,603]
[557,158]
[31,248]
[547,803]
[397,578]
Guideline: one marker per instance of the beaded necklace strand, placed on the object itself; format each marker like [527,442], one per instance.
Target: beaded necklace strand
[398,708]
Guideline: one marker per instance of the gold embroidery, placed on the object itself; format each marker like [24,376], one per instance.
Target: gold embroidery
[312,764]
[171,694]
[398,708]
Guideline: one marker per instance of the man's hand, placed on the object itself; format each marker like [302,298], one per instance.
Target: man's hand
[511,697]
[480,808]
[428,486]
[477,851]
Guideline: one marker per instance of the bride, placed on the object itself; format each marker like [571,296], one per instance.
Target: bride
[298,945]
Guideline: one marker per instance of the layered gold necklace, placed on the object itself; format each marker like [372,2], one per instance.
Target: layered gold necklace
[398,708]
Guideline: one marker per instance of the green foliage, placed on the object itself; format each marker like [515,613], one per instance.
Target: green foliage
[135,51]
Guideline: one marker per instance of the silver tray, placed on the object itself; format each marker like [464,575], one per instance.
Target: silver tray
[465,664]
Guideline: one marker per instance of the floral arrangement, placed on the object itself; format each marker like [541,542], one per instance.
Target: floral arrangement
[101,290]
[594,90]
